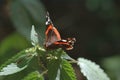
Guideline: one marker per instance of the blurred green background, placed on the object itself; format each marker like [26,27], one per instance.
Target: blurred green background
[94,23]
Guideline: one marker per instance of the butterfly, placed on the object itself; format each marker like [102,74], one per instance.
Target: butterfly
[53,39]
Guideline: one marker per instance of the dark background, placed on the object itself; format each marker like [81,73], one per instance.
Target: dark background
[94,23]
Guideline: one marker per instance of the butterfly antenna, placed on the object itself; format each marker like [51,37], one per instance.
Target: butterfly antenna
[48,20]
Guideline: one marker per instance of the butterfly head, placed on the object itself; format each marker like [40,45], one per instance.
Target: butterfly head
[48,20]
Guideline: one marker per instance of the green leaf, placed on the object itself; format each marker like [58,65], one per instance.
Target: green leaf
[58,75]
[58,67]
[53,66]
[66,56]
[34,36]
[112,66]
[34,76]
[23,60]
[20,17]
[9,43]
[66,71]
[93,5]
[37,13]
[11,69]
[1,78]
[91,70]
[36,10]
[17,62]
[25,13]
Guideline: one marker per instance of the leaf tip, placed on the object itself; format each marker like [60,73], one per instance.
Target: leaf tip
[34,36]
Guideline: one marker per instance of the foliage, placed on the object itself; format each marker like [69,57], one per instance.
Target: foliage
[87,67]
[113,69]
[34,76]
[55,64]
[108,12]
[12,44]
[25,13]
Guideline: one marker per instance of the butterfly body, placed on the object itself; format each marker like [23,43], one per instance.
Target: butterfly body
[53,38]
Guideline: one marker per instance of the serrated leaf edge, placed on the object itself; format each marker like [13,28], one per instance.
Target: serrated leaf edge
[93,64]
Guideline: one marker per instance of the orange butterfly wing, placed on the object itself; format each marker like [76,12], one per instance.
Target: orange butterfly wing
[53,38]
[52,34]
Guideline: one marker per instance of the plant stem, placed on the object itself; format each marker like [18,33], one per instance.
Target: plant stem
[44,72]
[73,61]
